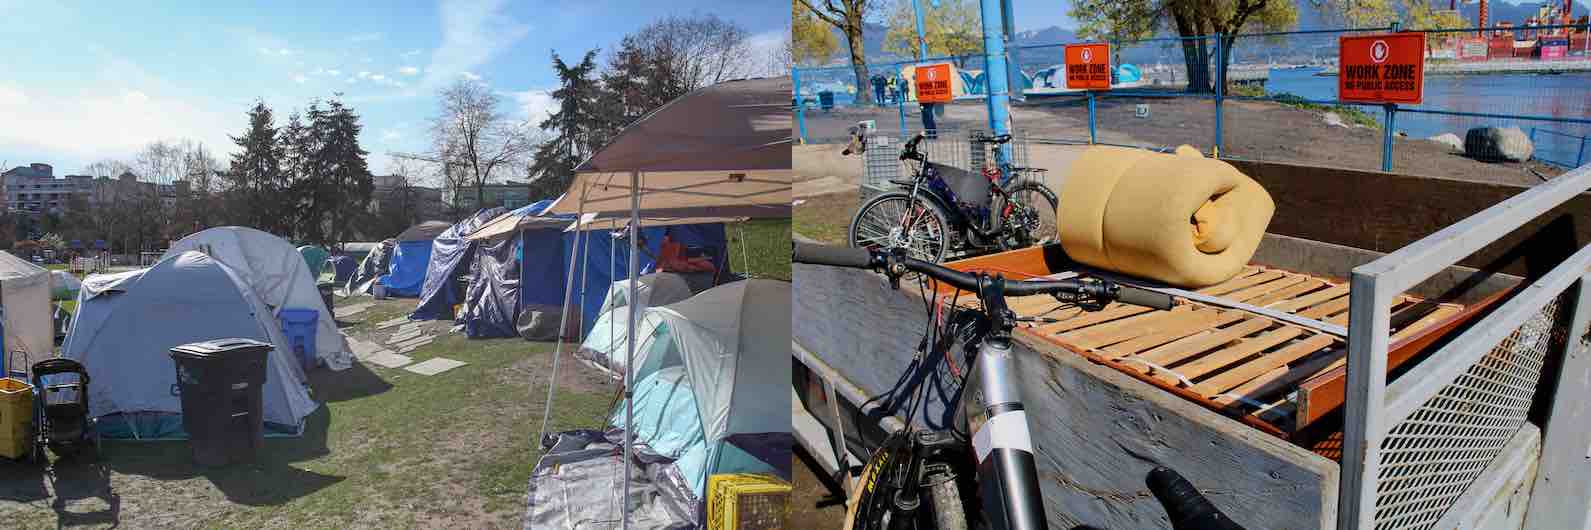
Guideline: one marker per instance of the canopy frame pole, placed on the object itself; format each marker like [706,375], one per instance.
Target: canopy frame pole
[585,260]
[745,258]
[629,344]
[563,324]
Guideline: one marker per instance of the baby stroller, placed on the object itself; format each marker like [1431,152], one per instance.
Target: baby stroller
[60,412]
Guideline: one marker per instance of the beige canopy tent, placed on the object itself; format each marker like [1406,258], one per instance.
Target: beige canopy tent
[722,150]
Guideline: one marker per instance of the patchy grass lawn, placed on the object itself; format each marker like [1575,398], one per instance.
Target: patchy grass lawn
[826,218]
[389,448]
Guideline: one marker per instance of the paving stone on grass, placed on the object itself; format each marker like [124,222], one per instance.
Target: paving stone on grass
[389,359]
[434,366]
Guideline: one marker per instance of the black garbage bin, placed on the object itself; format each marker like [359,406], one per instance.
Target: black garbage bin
[219,382]
[326,290]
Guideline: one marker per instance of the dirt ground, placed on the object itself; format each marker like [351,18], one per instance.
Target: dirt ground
[389,449]
[1250,129]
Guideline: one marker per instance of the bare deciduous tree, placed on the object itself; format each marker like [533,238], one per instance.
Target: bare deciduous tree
[475,138]
[701,50]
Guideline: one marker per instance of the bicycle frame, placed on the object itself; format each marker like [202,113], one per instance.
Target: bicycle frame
[1008,482]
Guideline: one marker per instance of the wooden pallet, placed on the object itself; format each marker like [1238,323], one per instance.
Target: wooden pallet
[1231,360]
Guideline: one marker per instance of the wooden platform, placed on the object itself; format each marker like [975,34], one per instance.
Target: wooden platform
[1228,359]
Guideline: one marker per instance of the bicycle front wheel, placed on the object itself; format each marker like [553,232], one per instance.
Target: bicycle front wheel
[895,220]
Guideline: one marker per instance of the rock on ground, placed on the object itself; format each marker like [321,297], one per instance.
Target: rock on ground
[1498,143]
[1450,140]
[1333,119]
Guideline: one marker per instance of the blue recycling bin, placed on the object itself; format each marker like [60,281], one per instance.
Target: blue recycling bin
[299,325]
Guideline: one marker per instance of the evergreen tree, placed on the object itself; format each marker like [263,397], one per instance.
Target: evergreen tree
[256,172]
[578,127]
[346,182]
[638,79]
[298,156]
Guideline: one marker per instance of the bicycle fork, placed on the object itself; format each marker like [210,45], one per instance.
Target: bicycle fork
[1008,483]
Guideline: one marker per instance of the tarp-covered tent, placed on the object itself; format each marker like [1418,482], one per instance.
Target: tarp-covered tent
[127,322]
[702,406]
[508,279]
[605,339]
[607,259]
[410,257]
[371,269]
[278,275]
[342,268]
[452,255]
[25,294]
[315,258]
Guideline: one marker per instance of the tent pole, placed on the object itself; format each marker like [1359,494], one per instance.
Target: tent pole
[585,258]
[563,324]
[745,259]
[629,343]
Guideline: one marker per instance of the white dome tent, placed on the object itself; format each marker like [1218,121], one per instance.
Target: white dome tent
[127,323]
[276,272]
[25,295]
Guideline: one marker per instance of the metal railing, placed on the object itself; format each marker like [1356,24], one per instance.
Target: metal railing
[1413,446]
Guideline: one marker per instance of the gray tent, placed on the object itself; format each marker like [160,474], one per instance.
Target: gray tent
[127,322]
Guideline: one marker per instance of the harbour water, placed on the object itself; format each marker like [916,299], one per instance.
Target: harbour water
[1551,95]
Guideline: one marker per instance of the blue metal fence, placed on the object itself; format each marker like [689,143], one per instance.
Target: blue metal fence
[1163,104]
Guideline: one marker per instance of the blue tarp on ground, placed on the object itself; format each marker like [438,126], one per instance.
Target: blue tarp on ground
[602,271]
[451,256]
[406,274]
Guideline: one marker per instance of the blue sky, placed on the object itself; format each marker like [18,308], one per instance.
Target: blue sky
[81,81]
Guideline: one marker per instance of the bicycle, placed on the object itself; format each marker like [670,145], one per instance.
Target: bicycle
[942,208]
[999,469]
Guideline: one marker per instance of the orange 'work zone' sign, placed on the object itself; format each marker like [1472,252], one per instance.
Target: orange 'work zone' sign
[1386,68]
[933,83]
[1088,66]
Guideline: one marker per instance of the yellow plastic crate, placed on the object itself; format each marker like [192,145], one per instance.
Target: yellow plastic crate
[16,418]
[746,501]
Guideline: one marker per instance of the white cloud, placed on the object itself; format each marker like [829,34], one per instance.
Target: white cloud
[409,70]
[410,53]
[73,128]
[377,77]
[388,135]
[472,32]
[470,76]
[534,104]
[759,56]
[334,73]
[363,75]
[300,79]
[283,52]
[10,95]
[366,37]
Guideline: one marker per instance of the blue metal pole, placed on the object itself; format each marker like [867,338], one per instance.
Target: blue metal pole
[997,74]
[922,39]
[1092,138]
[1386,137]
[800,110]
[1220,93]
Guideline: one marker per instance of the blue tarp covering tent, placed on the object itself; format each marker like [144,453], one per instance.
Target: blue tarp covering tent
[451,256]
[406,274]
[600,271]
[505,282]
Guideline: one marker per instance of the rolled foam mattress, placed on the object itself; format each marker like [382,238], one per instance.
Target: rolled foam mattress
[1181,218]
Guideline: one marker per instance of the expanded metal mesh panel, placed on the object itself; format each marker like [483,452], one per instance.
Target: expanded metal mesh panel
[1433,456]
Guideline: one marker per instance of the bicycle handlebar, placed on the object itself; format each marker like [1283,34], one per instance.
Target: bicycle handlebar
[858,258]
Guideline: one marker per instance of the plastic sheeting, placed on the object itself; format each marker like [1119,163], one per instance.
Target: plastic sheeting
[578,483]
[343,267]
[406,274]
[492,307]
[371,268]
[127,323]
[315,258]
[606,340]
[451,256]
